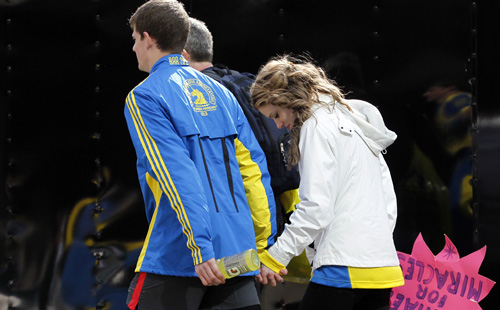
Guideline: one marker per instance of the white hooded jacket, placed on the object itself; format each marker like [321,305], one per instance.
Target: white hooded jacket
[348,205]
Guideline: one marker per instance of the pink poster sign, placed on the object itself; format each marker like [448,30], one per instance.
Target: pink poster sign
[440,282]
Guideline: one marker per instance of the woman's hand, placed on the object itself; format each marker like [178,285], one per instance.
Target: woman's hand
[267,276]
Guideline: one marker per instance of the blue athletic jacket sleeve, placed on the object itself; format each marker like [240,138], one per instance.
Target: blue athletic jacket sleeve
[164,159]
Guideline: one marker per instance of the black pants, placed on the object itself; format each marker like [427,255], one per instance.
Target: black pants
[319,296]
[159,292]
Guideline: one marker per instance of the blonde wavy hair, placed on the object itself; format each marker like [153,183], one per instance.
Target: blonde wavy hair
[294,83]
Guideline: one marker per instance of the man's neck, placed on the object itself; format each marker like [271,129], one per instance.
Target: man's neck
[200,66]
[155,56]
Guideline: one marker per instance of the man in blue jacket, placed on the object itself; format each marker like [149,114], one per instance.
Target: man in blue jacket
[199,167]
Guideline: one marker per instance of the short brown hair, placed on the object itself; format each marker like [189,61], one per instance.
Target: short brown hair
[164,20]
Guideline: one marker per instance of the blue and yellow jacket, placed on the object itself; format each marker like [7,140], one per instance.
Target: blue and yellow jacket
[199,167]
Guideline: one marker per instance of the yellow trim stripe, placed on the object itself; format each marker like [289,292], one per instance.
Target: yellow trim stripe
[377,277]
[156,190]
[161,172]
[141,128]
[256,195]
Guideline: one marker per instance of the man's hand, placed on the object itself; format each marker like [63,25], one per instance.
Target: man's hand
[267,276]
[209,274]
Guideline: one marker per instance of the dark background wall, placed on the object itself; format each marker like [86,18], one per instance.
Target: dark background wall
[71,214]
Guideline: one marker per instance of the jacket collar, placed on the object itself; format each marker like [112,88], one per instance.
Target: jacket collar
[171,60]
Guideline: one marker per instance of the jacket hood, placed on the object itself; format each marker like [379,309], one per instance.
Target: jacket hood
[369,120]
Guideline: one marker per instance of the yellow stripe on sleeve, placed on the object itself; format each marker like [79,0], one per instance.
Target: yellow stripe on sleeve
[154,186]
[154,156]
[256,195]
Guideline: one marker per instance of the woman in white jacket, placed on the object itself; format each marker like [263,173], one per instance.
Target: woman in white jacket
[348,205]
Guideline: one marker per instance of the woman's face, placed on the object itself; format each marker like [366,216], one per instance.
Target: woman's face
[283,117]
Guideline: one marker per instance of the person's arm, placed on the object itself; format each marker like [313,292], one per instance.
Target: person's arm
[257,183]
[164,156]
[318,188]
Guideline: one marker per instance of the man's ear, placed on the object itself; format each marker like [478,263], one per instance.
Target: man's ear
[186,55]
[150,41]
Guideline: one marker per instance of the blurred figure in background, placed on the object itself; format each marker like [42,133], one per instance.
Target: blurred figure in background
[452,116]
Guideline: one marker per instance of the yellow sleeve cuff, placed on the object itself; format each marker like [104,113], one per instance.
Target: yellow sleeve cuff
[270,262]
[289,199]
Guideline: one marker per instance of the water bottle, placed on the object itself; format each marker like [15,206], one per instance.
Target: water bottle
[237,264]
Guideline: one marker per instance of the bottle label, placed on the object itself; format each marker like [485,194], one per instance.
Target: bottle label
[235,265]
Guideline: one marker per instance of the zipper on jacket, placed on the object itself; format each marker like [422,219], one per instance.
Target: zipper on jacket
[282,139]
[208,174]
[228,171]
